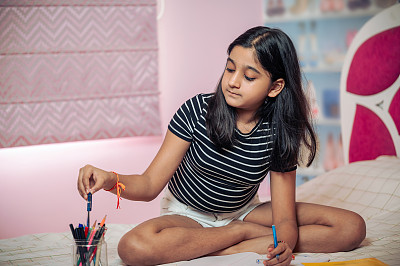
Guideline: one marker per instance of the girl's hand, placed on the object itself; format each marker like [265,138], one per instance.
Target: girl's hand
[92,179]
[284,252]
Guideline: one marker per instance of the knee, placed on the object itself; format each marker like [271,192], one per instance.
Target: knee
[353,231]
[134,250]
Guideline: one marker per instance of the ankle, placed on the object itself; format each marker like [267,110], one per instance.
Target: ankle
[250,230]
[240,229]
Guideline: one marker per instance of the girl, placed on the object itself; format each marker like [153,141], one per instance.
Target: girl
[217,150]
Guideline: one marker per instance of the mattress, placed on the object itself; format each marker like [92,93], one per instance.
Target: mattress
[370,188]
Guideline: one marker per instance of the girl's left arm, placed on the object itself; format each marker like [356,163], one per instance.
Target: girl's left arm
[283,200]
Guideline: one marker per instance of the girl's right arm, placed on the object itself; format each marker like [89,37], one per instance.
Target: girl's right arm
[144,187]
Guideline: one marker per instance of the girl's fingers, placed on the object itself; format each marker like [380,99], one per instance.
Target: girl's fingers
[281,261]
[81,187]
[86,175]
[284,252]
[97,182]
[272,252]
[270,249]
[86,180]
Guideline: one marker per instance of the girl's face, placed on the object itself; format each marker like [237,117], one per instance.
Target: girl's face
[245,83]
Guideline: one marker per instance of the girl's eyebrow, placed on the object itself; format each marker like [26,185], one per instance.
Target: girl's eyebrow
[247,66]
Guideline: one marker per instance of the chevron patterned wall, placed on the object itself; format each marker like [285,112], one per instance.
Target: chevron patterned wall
[77,70]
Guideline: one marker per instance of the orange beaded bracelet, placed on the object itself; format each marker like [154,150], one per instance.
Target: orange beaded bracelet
[118,186]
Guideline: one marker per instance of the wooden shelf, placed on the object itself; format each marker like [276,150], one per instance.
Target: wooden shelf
[323,69]
[328,121]
[318,15]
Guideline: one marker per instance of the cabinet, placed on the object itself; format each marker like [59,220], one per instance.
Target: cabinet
[322,32]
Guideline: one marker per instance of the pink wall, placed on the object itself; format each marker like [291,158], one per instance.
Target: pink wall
[38,183]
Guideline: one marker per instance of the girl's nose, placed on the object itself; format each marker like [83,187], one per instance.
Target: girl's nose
[234,80]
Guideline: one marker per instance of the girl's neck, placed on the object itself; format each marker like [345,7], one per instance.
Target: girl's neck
[246,117]
[246,121]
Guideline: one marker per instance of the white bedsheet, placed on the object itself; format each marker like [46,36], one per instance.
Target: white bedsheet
[371,188]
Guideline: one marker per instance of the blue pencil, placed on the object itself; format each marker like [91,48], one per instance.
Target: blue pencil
[275,239]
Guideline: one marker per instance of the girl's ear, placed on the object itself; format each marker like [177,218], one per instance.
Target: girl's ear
[276,88]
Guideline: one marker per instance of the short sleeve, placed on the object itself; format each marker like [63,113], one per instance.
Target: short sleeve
[185,119]
[289,169]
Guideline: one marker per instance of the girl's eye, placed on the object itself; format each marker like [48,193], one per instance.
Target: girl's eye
[230,70]
[248,78]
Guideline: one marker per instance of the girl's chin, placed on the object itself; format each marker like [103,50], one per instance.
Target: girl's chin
[231,103]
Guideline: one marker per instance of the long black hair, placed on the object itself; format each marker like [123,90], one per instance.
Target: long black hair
[289,111]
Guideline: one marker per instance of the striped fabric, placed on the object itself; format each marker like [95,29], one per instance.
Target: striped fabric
[214,181]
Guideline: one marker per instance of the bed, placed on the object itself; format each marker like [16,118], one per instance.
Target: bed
[368,186]
[371,188]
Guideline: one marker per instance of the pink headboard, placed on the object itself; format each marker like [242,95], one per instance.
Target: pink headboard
[370,95]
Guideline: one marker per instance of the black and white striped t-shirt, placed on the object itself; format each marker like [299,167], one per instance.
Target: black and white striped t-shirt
[213,180]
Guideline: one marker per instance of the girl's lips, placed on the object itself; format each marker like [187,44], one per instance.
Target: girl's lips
[231,92]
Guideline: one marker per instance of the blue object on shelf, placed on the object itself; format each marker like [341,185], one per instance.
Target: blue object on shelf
[330,98]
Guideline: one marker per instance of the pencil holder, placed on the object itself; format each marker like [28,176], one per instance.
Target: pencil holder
[85,254]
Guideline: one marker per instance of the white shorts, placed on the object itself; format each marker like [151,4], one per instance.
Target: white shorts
[171,206]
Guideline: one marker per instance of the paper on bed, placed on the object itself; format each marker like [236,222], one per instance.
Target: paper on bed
[245,258]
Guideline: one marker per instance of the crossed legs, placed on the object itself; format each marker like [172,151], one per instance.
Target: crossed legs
[322,229]
[173,238]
